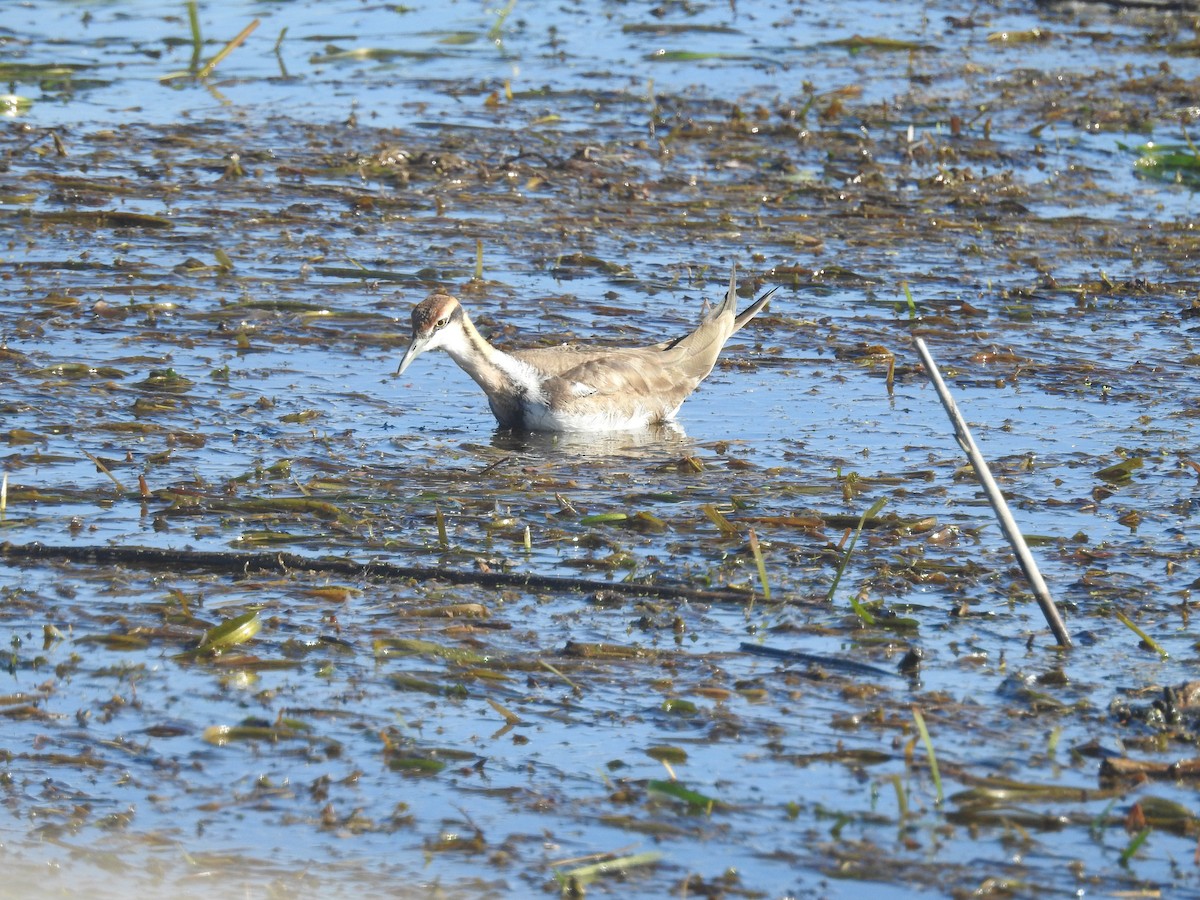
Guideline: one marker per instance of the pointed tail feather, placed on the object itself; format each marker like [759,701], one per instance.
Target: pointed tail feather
[705,333]
[752,310]
[728,303]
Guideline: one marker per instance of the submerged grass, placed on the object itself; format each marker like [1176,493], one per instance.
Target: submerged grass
[761,564]
[1176,163]
[573,880]
[1135,844]
[872,511]
[927,741]
[197,71]
[1146,639]
[237,630]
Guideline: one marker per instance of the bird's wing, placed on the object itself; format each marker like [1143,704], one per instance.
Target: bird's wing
[556,360]
[620,384]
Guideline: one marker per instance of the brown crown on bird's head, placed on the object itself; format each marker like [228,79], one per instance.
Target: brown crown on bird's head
[434,312]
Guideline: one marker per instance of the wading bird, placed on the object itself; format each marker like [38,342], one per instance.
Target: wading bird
[574,388]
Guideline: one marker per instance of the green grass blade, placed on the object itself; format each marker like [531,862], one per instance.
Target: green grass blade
[928,742]
[1146,639]
[1134,844]
[586,874]
[762,566]
[873,511]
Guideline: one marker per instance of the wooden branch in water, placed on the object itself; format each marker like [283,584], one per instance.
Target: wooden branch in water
[240,563]
[999,505]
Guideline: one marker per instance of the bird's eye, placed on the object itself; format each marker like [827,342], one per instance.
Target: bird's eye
[442,322]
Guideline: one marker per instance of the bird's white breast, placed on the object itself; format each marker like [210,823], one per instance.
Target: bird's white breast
[540,417]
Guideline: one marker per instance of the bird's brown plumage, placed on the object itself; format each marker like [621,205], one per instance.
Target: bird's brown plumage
[571,388]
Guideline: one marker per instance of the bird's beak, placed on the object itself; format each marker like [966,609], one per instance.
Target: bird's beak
[414,350]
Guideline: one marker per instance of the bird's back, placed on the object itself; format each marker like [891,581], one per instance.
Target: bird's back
[594,389]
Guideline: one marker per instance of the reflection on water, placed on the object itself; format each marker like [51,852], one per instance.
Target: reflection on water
[668,438]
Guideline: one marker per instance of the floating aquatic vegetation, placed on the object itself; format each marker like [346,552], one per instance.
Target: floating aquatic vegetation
[240,277]
[573,880]
[219,638]
[14,104]
[1179,163]
[858,43]
[1146,639]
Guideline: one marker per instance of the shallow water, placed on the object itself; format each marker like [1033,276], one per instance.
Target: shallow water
[236,352]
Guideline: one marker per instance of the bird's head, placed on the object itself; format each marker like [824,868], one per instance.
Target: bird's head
[437,323]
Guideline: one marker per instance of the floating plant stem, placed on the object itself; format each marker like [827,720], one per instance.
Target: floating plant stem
[275,561]
[103,468]
[443,540]
[586,874]
[303,489]
[870,513]
[824,662]
[901,796]
[1187,139]
[762,566]
[1134,844]
[507,714]
[279,55]
[478,259]
[550,668]
[226,50]
[1146,639]
[1096,827]
[216,60]
[912,304]
[497,26]
[726,527]
[925,739]
[197,40]
[861,611]
[999,505]
[1052,741]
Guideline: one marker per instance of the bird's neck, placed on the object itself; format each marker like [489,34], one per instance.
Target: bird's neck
[505,379]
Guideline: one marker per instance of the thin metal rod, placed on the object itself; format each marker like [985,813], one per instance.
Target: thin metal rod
[999,504]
